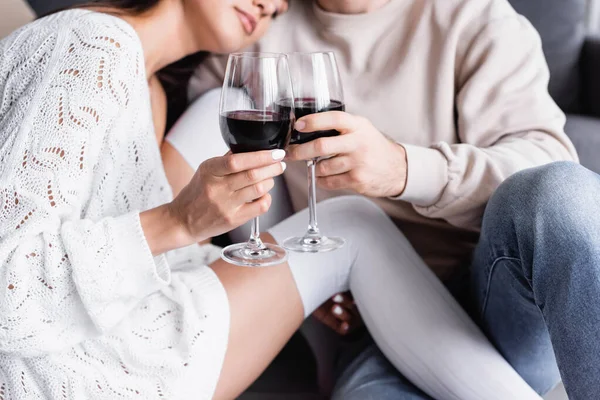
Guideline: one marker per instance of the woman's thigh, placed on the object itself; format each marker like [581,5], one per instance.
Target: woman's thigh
[265,309]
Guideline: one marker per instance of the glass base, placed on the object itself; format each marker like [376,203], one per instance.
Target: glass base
[313,244]
[245,256]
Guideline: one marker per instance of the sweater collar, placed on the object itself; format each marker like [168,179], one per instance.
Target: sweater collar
[345,22]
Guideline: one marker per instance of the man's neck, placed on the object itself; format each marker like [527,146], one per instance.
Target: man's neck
[351,6]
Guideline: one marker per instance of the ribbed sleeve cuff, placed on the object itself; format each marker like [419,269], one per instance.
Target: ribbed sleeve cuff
[427,176]
[128,272]
[153,271]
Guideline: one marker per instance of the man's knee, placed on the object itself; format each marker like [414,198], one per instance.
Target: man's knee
[558,191]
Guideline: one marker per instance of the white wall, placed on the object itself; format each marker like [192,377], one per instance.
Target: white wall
[13,14]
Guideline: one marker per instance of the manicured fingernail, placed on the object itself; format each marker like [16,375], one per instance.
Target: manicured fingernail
[337,310]
[278,154]
[300,125]
[283,166]
[344,326]
[338,298]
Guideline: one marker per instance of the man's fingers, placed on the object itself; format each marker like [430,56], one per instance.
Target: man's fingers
[334,166]
[235,163]
[322,147]
[332,120]
[334,182]
[253,176]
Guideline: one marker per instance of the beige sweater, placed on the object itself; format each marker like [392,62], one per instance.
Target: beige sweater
[462,84]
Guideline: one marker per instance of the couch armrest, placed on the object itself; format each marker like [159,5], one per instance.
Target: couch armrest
[584,132]
[590,75]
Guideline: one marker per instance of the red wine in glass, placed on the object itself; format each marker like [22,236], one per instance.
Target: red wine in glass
[252,130]
[251,119]
[317,88]
[306,106]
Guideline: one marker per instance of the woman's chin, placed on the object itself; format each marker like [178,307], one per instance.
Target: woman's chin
[231,44]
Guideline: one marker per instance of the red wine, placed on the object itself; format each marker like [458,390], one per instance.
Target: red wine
[247,131]
[306,106]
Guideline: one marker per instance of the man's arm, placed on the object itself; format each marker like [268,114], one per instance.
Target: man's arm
[506,122]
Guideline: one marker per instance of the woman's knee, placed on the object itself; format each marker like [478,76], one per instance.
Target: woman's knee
[357,211]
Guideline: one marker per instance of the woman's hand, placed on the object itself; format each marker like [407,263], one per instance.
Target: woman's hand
[224,193]
[340,314]
[364,160]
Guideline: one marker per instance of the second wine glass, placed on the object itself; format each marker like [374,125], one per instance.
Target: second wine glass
[317,88]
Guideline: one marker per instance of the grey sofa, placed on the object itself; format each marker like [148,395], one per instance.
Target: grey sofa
[574,61]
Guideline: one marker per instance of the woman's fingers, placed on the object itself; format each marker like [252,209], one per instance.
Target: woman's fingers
[341,313]
[324,315]
[254,176]
[234,163]
[345,300]
[255,191]
[345,310]
[256,208]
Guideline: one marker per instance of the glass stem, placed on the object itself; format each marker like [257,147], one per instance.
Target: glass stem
[313,227]
[255,243]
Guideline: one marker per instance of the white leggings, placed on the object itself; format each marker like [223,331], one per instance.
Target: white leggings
[415,321]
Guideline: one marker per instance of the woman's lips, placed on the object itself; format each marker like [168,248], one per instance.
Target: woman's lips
[248,21]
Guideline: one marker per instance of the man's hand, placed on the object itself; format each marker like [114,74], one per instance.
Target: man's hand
[364,160]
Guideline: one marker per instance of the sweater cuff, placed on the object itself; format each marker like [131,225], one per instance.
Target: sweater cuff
[151,271]
[427,176]
[132,274]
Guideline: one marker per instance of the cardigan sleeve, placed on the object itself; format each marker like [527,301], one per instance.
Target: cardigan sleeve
[65,278]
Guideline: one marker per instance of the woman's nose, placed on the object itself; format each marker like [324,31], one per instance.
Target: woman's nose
[267,7]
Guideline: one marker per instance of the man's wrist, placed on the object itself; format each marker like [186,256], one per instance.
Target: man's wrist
[426,176]
[400,170]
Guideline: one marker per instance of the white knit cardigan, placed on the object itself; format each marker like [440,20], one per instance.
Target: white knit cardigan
[86,312]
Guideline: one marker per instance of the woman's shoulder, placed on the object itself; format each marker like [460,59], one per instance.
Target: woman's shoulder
[82,61]
[100,50]
[68,35]
[64,23]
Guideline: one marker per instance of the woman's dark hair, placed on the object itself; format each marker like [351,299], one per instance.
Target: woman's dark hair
[175,77]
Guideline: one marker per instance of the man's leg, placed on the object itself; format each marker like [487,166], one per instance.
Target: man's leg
[536,275]
[370,376]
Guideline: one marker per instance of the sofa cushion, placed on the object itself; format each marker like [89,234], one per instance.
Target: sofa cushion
[585,134]
[561,24]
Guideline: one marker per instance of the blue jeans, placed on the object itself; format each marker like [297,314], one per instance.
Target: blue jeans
[536,283]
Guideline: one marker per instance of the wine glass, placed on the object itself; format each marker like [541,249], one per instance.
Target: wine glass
[255,115]
[317,88]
